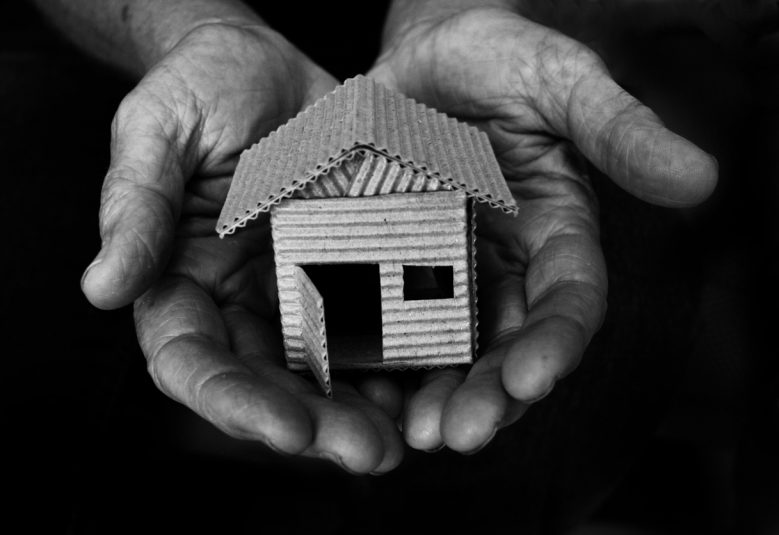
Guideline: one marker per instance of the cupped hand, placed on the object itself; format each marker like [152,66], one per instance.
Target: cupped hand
[543,99]
[206,308]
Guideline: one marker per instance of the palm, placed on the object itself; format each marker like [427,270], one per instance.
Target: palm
[542,280]
[206,318]
[222,110]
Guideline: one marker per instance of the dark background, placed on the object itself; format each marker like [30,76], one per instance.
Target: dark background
[668,426]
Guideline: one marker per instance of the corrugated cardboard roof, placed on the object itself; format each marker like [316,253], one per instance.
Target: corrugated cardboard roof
[362,116]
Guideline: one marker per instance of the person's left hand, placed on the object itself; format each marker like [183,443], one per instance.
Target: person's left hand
[541,276]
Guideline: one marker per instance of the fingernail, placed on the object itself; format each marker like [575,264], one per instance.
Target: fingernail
[437,448]
[95,262]
[489,439]
[335,459]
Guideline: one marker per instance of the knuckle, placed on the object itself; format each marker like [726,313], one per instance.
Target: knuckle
[223,399]
[111,202]
[562,62]
[148,110]
[159,375]
[126,198]
[126,110]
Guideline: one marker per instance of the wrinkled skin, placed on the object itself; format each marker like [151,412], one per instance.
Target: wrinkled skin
[205,307]
[206,322]
[542,277]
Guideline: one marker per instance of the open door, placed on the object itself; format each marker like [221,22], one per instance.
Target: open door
[352,298]
[314,336]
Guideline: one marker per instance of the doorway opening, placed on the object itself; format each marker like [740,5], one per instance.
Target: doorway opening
[352,300]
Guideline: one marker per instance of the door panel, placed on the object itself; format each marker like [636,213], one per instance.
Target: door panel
[314,335]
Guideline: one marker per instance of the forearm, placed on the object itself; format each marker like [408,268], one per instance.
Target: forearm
[134,34]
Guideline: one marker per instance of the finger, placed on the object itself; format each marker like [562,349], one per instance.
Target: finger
[422,418]
[566,288]
[552,341]
[558,271]
[627,141]
[139,204]
[184,339]
[349,430]
[478,409]
[392,445]
[384,393]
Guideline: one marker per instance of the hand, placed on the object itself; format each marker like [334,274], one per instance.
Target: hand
[542,278]
[205,315]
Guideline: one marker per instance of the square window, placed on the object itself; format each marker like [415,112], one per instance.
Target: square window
[428,282]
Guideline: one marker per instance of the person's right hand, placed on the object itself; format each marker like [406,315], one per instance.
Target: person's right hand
[205,307]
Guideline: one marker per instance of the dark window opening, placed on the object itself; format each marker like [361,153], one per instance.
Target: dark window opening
[428,282]
[352,299]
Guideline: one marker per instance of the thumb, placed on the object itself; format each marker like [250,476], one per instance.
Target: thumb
[627,141]
[139,205]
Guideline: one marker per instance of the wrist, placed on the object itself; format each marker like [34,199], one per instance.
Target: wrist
[216,58]
[133,35]
[157,28]
[404,15]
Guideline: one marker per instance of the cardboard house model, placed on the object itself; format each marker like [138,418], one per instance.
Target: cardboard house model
[370,195]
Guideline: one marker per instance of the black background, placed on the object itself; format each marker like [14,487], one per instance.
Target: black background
[668,424]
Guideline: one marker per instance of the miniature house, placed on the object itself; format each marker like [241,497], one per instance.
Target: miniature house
[370,195]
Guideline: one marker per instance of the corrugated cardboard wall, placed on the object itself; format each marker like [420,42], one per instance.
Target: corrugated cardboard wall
[422,229]
[368,175]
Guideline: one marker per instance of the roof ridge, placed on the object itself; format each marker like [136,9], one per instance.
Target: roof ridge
[362,113]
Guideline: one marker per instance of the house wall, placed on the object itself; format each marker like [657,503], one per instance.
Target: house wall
[369,174]
[423,229]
